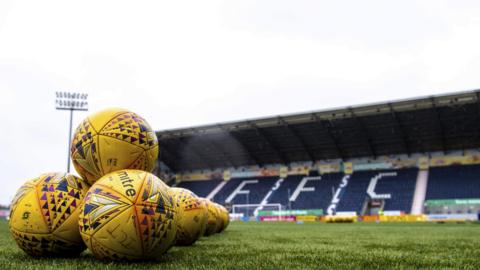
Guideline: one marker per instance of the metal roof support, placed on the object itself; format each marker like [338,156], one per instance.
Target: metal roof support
[476,136]
[330,135]
[440,125]
[400,127]
[243,145]
[265,138]
[299,139]
[477,94]
[216,148]
[364,129]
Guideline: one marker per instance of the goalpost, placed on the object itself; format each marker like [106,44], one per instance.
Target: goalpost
[251,210]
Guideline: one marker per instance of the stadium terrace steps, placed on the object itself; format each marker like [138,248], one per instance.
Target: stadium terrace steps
[420,193]
[454,182]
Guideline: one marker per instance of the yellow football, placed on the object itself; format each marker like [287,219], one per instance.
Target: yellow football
[192,217]
[227,218]
[220,219]
[44,215]
[128,215]
[111,140]
[224,216]
[213,220]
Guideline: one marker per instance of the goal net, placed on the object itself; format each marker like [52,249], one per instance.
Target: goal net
[251,211]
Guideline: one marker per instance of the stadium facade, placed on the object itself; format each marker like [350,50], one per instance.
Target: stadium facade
[410,156]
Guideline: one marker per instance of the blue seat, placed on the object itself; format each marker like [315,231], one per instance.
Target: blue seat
[257,190]
[201,188]
[401,188]
[454,182]
[322,196]
[289,185]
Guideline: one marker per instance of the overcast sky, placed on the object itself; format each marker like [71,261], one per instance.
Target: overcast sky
[183,63]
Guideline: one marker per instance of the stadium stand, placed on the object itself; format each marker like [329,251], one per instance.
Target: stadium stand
[317,191]
[435,123]
[321,196]
[455,182]
[257,188]
[401,188]
[355,194]
[282,194]
[201,188]
[418,130]
[444,183]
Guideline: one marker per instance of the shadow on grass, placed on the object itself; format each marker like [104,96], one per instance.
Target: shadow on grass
[87,259]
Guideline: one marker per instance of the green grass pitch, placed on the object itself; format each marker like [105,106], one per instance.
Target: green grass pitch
[256,245]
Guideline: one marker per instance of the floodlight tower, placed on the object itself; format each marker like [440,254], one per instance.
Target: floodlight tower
[71,101]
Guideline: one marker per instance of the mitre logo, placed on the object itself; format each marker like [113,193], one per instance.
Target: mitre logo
[126,183]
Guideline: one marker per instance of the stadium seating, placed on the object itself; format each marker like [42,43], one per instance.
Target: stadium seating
[400,187]
[354,194]
[289,185]
[257,190]
[201,188]
[454,182]
[320,198]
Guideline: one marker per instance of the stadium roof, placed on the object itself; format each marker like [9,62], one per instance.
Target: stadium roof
[426,124]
